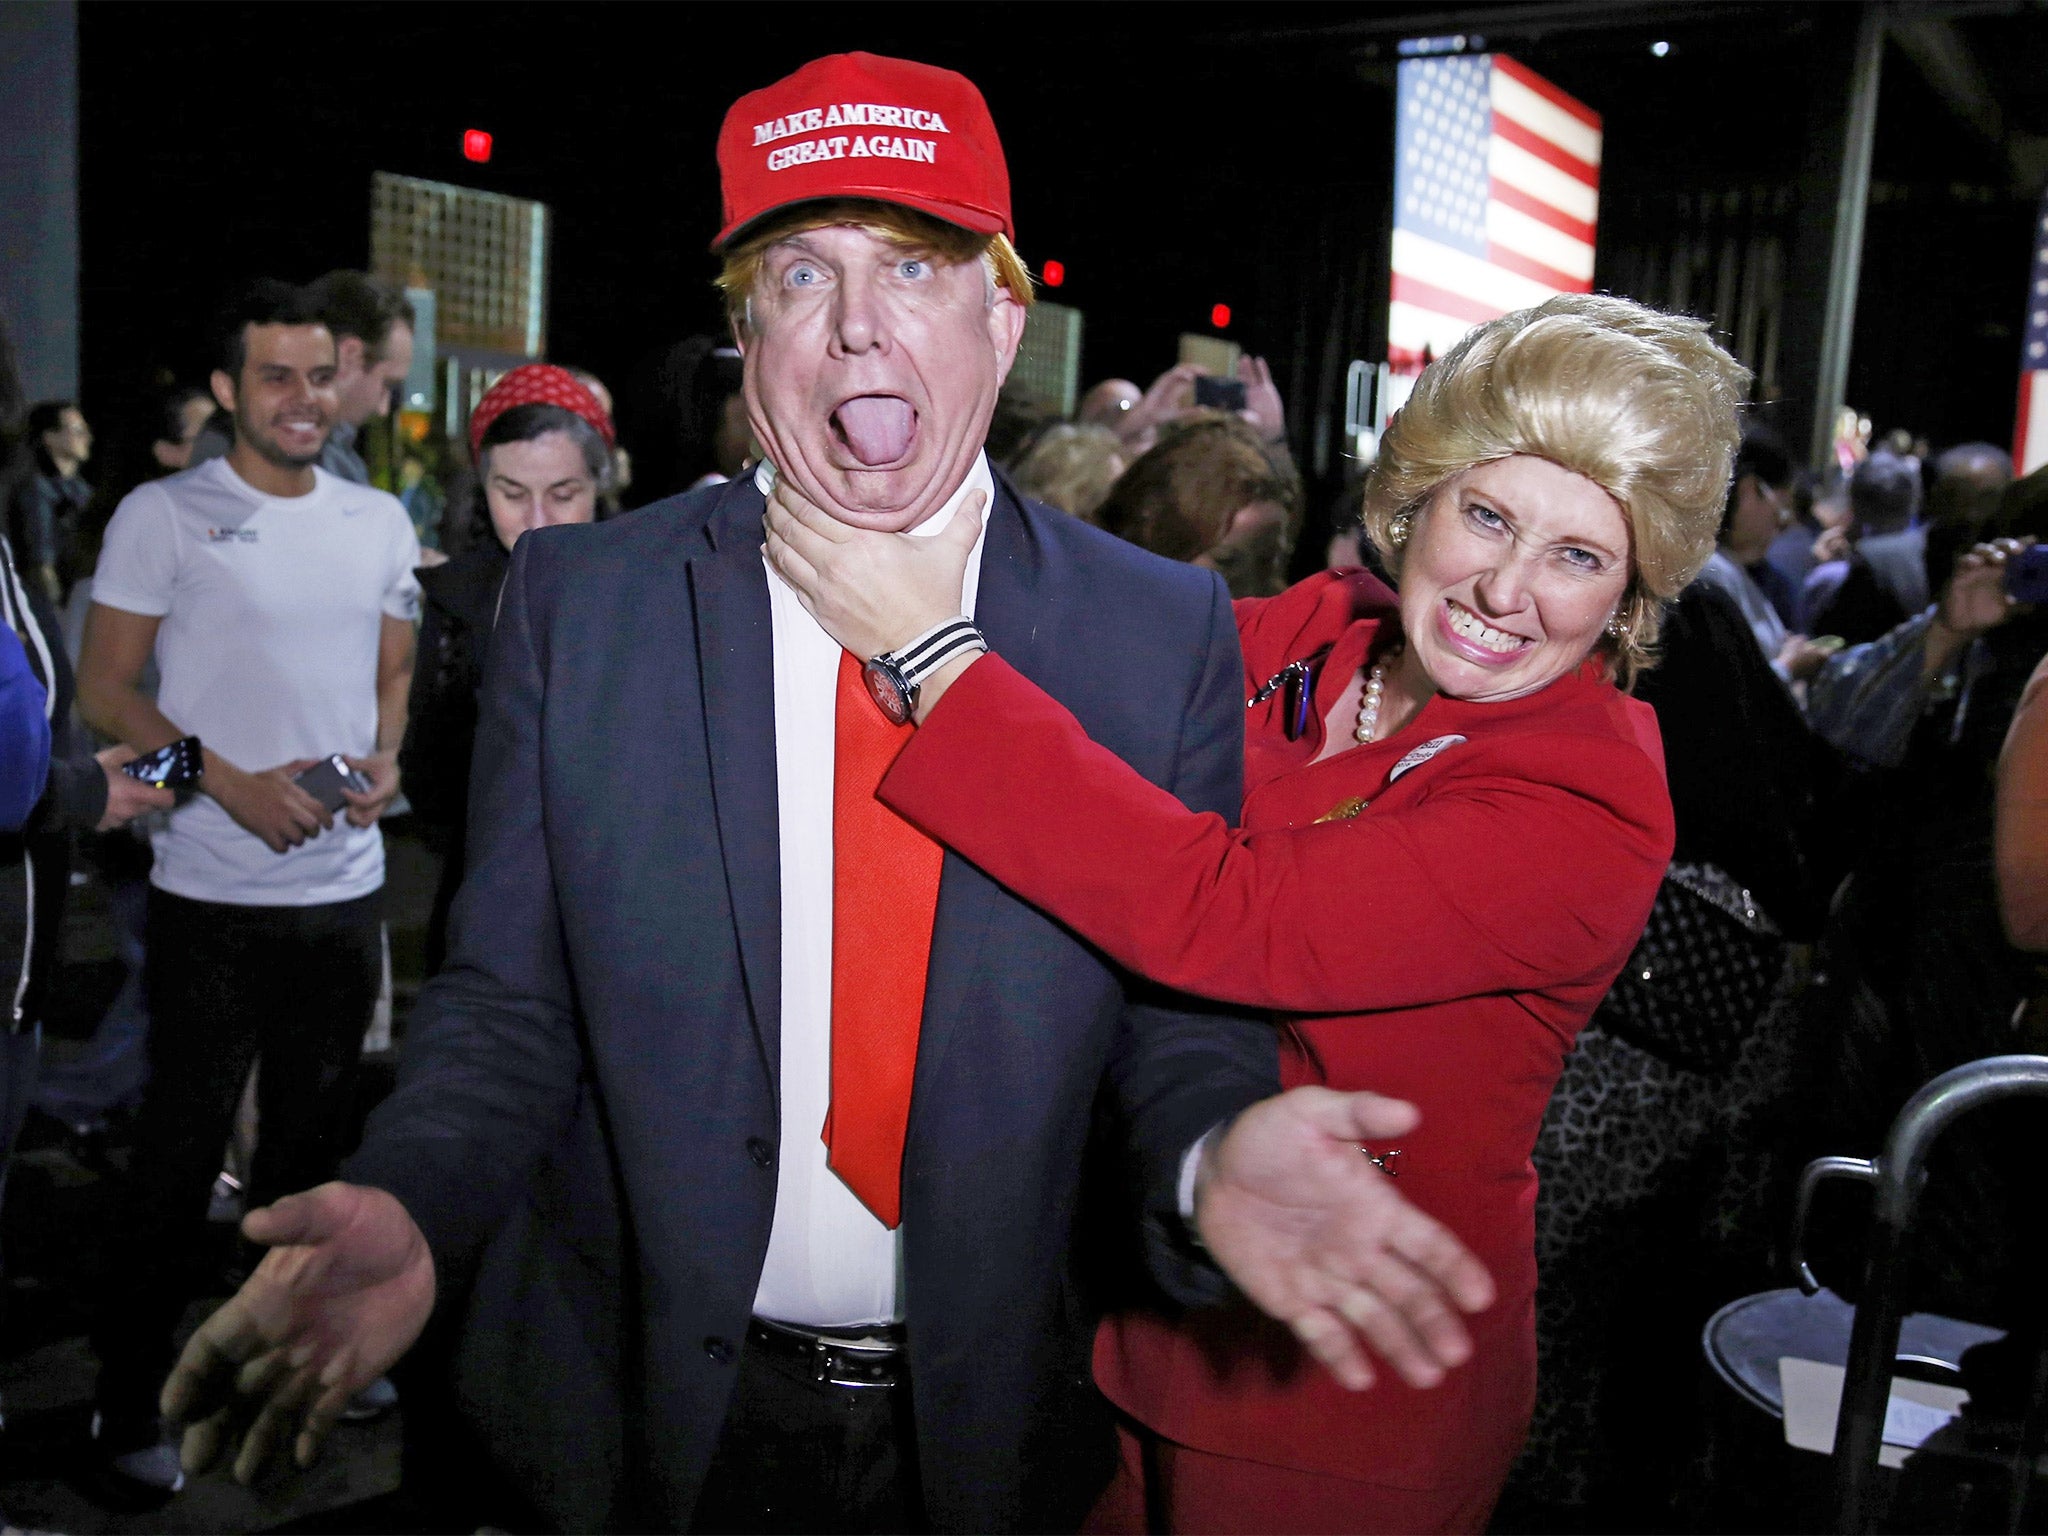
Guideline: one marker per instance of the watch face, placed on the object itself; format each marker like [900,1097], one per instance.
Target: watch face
[886,692]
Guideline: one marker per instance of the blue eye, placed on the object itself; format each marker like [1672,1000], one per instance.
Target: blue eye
[913,267]
[802,275]
[1485,517]
[1584,559]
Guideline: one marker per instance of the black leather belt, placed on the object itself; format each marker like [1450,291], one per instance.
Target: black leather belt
[873,1357]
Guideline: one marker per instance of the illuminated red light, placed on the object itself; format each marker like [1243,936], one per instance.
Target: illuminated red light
[1055,273]
[476,145]
[1220,317]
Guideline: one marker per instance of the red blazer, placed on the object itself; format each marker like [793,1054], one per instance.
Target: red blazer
[1433,916]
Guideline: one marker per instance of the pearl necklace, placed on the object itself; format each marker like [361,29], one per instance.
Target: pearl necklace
[1369,701]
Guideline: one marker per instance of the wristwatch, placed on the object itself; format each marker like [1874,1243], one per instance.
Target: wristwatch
[894,677]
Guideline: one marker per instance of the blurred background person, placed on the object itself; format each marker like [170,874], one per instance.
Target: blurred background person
[87,1086]
[621,478]
[1660,1196]
[68,790]
[1071,467]
[542,443]
[46,509]
[179,415]
[1106,403]
[281,647]
[685,420]
[1740,570]
[1210,493]
[1884,499]
[1919,972]
[1912,566]
[372,325]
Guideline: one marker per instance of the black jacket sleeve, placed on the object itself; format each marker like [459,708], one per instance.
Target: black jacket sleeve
[1181,1068]
[492,1055]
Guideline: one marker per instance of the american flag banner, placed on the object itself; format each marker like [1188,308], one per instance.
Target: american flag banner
[1496,195]
[2030,436]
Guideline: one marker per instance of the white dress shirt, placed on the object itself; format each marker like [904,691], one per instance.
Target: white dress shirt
[831,1263]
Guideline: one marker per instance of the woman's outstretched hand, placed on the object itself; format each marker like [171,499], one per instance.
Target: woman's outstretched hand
[873,592]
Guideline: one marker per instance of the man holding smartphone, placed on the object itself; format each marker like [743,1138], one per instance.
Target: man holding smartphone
[279,601]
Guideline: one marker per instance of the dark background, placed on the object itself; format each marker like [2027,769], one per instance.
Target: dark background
[1172,156]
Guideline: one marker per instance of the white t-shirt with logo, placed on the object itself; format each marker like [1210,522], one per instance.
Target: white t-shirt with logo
[272,610]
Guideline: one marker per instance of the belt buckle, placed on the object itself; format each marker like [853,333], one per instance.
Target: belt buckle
[835,1364]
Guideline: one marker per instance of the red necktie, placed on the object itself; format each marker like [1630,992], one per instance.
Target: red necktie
[885,889]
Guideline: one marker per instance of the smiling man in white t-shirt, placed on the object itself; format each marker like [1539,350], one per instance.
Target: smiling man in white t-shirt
[279,602]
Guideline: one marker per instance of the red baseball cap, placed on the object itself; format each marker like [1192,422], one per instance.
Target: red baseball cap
[858,125]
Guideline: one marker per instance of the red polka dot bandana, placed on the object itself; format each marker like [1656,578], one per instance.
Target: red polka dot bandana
[536,384]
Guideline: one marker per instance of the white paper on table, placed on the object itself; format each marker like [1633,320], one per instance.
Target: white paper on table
[1813,1401]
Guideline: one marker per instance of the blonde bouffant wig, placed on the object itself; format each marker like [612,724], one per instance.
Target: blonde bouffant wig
[1644,404]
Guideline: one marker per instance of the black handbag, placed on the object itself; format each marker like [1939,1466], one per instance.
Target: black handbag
[1698,983]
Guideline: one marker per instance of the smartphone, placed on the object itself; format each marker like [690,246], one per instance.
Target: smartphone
[326,779]
[1219,394]
[2026,575]
[171,767]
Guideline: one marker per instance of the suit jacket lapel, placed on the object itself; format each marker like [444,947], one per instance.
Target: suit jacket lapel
[1008,611]
[736,663]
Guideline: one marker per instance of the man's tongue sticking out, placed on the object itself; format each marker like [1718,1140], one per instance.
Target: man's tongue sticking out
[878,428]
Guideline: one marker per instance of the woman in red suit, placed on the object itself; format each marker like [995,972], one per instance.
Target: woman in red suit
[1454,824]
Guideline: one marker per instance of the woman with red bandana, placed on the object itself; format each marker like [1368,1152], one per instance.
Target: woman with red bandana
[1455,823]
[542,445]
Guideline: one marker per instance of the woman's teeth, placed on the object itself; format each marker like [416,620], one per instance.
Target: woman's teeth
[1468,625]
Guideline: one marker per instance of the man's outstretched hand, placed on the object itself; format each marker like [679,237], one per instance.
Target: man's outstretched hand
[1319,1238]
[345,1289]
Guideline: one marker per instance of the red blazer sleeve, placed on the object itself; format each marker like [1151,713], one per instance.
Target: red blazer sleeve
[1521,865]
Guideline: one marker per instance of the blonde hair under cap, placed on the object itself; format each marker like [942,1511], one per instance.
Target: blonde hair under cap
[1644,404]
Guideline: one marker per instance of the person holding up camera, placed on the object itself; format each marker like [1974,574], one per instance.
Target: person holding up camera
[279,601]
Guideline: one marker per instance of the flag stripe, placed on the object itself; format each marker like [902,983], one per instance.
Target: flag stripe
[1539,242]
[1410,329]
[1518,168]
[2032,441]
[1522,75]
[1506,129]
[1413,290]
[1550,277]
[1482,282]
[1515,100]
[1510,196]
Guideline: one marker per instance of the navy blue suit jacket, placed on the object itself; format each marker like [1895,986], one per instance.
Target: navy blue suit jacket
[586,1121]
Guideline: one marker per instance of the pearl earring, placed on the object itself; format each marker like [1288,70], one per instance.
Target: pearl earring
[1397,530]
[1616,630]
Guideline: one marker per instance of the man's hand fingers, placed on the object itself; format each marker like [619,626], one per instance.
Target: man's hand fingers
[810,518]
[1386,1329]
[1329,1338]
[262,1372]
[795,569]
[209,1363]
[801,536]
[314,1216]
[201,1443]
[1355,1116]
[322,1416]
[966,526]
[1432,1248]
[261,1439]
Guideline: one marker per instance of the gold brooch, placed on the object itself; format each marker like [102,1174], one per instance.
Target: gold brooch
[1344,810]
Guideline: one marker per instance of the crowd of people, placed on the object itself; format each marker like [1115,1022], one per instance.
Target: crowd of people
[974,983]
